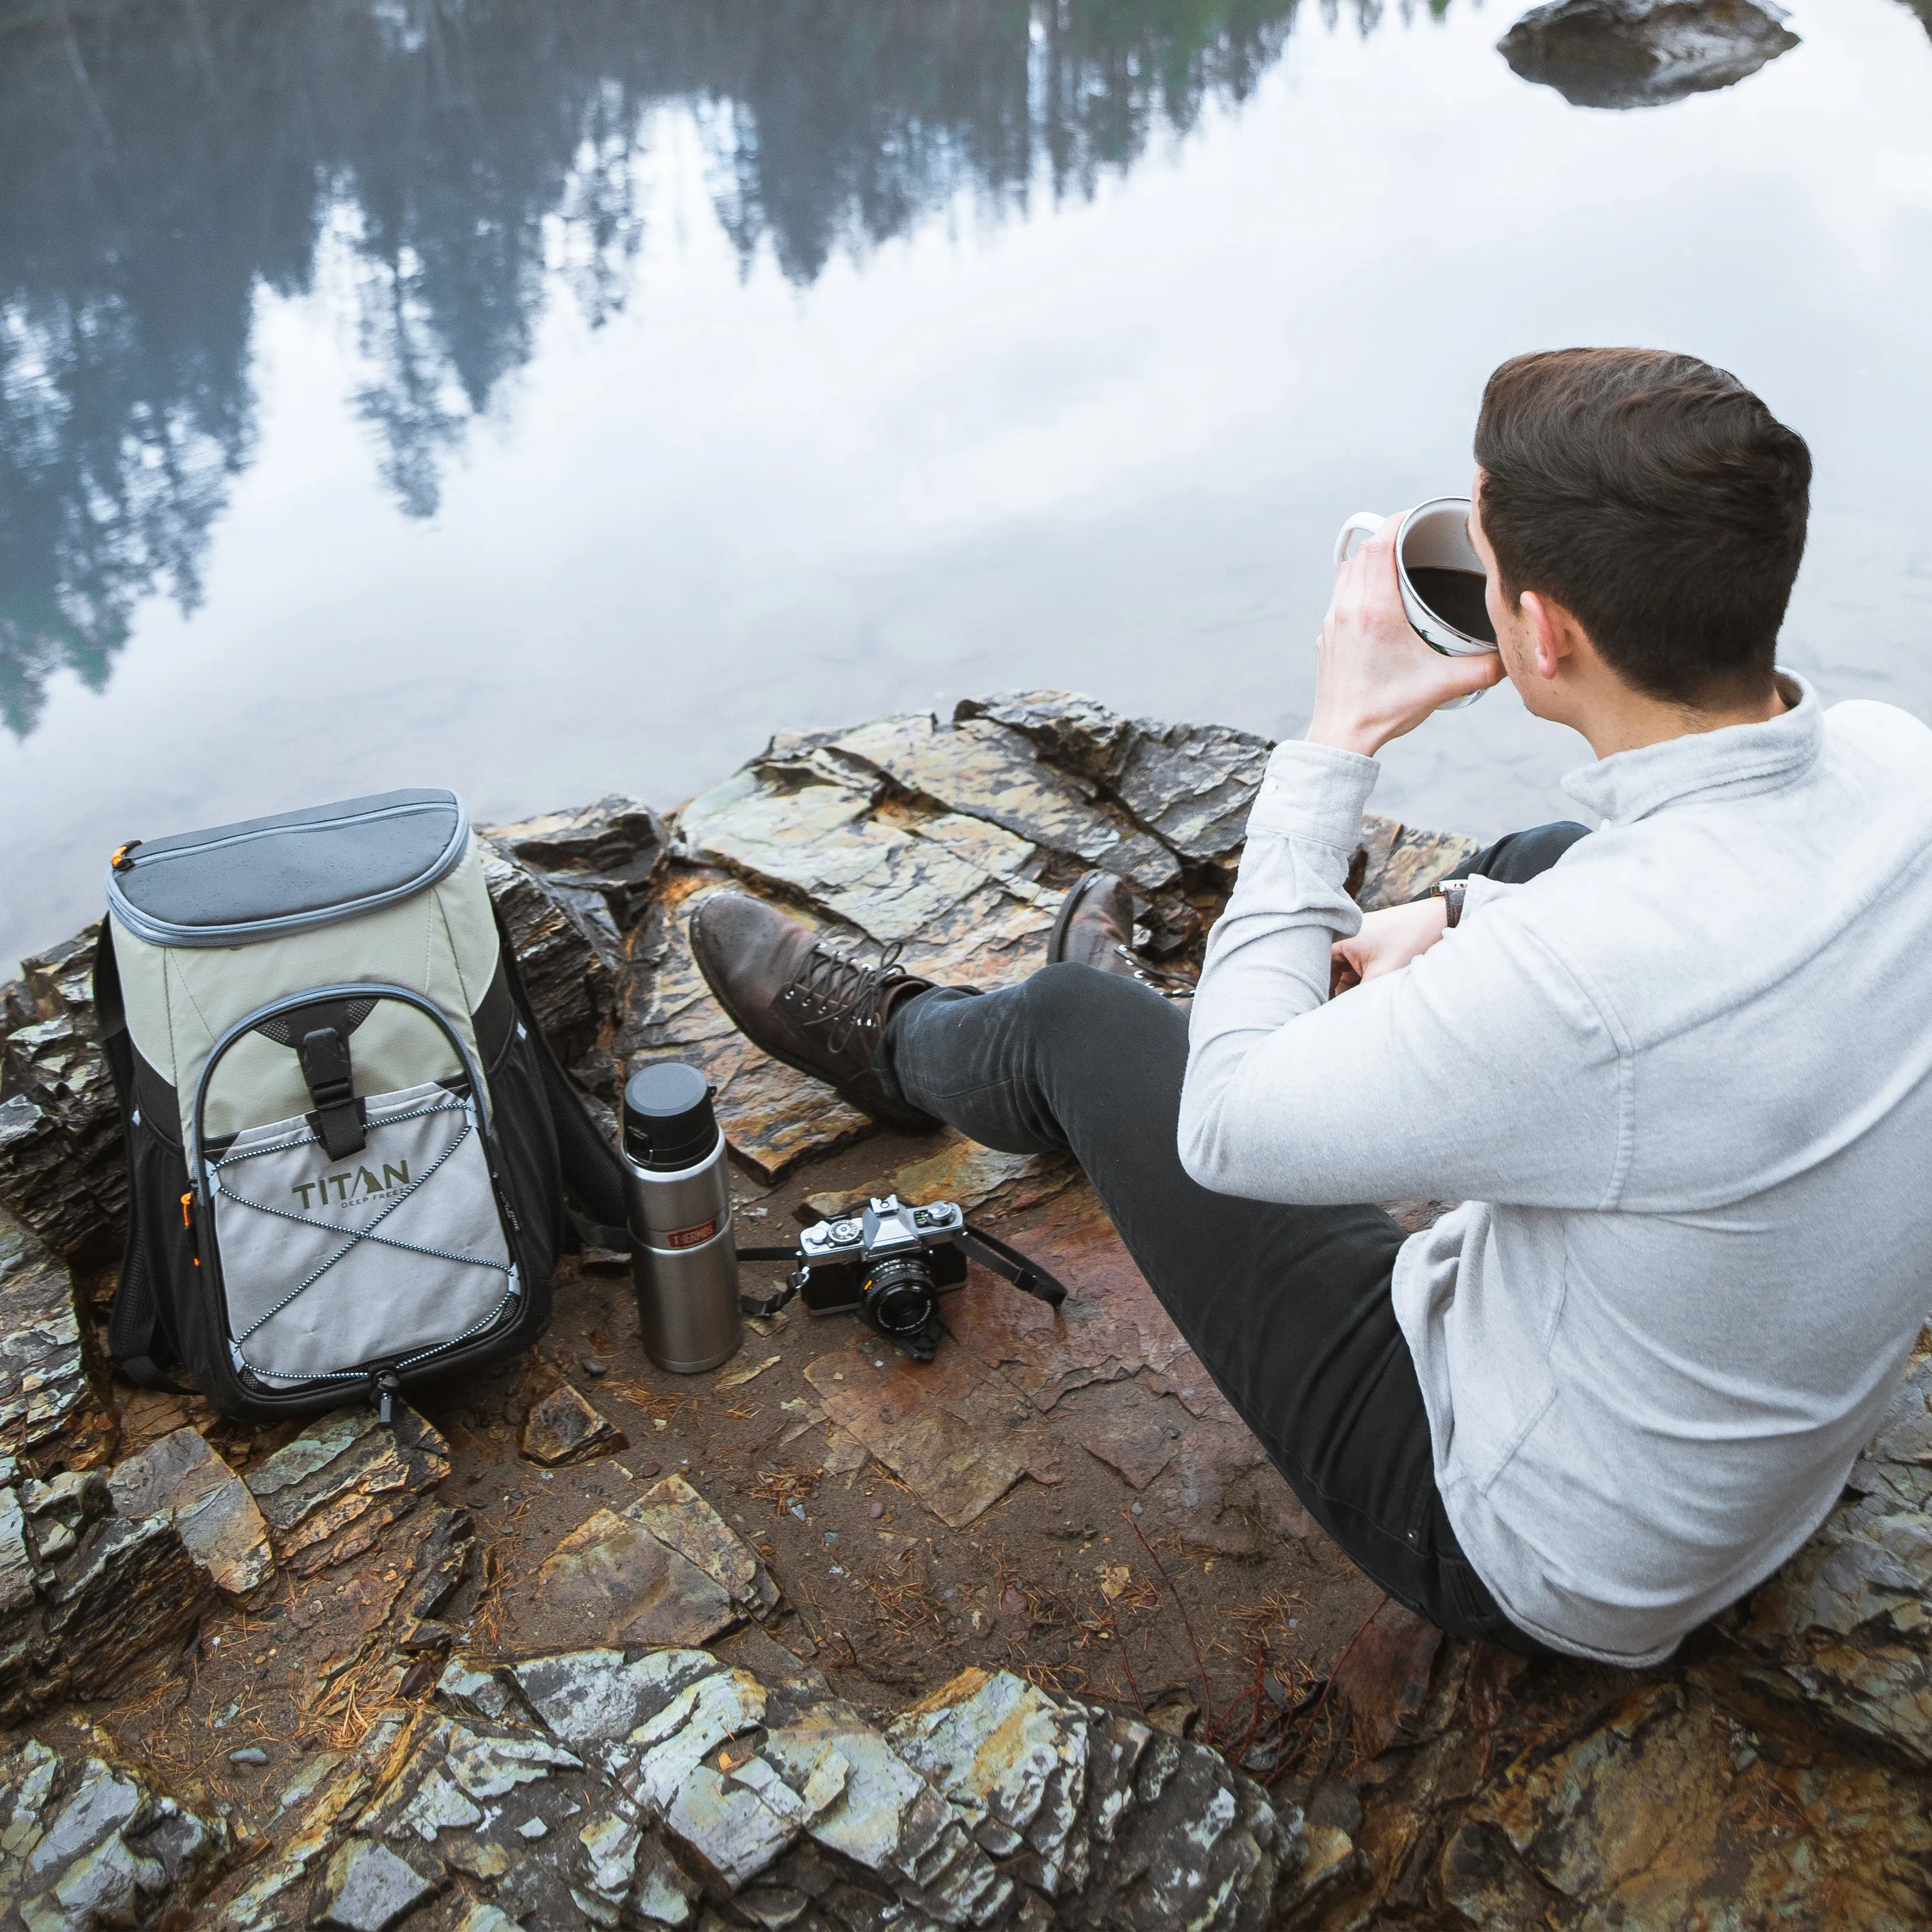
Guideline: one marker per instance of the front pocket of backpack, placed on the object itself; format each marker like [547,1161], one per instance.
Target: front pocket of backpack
[387,1258]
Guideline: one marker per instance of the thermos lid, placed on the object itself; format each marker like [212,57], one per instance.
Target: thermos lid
[668,1123]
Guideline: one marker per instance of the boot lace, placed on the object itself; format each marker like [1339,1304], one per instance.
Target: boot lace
[841,995]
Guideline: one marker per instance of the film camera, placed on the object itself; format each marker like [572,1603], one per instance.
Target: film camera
[889,1264]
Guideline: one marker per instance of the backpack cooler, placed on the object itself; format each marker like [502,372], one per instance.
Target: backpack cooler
[343,1123]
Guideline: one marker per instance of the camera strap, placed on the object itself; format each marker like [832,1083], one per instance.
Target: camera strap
[989,1250]
[770,1304]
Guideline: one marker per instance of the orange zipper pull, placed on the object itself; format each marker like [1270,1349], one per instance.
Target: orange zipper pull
[121,862]
[185,1199]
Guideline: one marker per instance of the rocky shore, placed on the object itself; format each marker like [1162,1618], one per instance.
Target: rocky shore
[1032,1636]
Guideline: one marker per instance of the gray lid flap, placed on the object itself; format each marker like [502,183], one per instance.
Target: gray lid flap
[265,877]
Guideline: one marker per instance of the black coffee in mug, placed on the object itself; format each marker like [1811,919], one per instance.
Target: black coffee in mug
[1457,597]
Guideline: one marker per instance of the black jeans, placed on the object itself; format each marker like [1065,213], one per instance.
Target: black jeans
[1288,1308]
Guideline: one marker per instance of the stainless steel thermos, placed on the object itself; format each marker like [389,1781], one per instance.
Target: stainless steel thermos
[685,1258]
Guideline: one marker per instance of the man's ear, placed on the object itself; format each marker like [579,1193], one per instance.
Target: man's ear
[1554,634]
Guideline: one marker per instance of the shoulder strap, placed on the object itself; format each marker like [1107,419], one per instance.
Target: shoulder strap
[139,1337]
[593,1176]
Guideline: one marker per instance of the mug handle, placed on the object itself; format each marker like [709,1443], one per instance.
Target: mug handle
[1363,522]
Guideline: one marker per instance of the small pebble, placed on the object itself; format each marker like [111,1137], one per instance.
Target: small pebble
[1135,1510]
[836,1571]
[545,1476]
[1174,1436]
[878,1365]
[649,1469]
[248,1754]
[798,1510]
[877,1510]
[831,1538]
[533,1827]
[596,1365]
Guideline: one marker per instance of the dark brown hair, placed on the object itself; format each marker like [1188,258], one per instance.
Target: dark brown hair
[1658,501]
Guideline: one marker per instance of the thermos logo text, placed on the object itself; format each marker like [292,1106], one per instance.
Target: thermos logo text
[357,1185]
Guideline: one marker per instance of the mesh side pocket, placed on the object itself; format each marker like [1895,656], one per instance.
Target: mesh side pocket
[390,1256]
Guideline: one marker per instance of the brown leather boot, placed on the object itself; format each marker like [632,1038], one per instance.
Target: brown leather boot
[789,990]
[1095,926]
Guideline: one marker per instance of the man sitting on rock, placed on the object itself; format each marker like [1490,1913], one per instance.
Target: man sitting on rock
[1676,1070]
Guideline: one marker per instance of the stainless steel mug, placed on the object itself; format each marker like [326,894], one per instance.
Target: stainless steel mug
[685,1257]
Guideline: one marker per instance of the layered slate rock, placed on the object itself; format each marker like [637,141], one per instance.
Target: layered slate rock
[214,1513]
[668,1570]
[84,1842]
[84,1595]
[1190,785]
[563,1428]
[1846,1626]
[62,1168]
[327,1494]
[979,767]
[599,858]
[568,958]
[50,1417]
[1643,53]
[603,1787]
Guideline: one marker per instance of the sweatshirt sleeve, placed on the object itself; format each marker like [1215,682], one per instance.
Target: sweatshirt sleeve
[1483,1070]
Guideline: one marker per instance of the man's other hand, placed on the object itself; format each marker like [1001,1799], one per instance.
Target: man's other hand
[1388,939]
[1374,678]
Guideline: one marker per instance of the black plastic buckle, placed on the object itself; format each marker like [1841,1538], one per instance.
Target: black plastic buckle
[326,1068]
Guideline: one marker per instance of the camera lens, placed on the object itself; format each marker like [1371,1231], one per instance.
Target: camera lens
[899,1295]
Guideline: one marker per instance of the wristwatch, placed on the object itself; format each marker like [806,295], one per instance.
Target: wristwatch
[1451,892]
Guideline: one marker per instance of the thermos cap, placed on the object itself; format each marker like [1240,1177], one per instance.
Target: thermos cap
[668,1123]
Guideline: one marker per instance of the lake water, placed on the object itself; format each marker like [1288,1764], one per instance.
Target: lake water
[552,397]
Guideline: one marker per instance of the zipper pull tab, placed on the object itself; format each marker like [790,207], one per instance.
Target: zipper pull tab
[384,1387]
[121,862]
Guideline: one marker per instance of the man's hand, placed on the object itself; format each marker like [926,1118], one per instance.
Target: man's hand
[1388,939]
[1374,678]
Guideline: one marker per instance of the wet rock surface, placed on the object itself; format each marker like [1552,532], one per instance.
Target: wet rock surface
[1644,53]
[1033,1636]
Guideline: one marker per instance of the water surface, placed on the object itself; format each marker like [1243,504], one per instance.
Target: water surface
[550,398]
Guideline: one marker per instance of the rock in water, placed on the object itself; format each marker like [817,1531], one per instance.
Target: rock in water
[1643,53]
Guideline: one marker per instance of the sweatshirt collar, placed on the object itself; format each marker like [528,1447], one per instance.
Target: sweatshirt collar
[1734,763]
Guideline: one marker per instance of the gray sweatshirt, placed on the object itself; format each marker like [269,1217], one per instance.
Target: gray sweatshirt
[1682,1082]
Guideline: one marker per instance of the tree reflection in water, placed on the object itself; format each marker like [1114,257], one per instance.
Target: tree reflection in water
[163,162]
